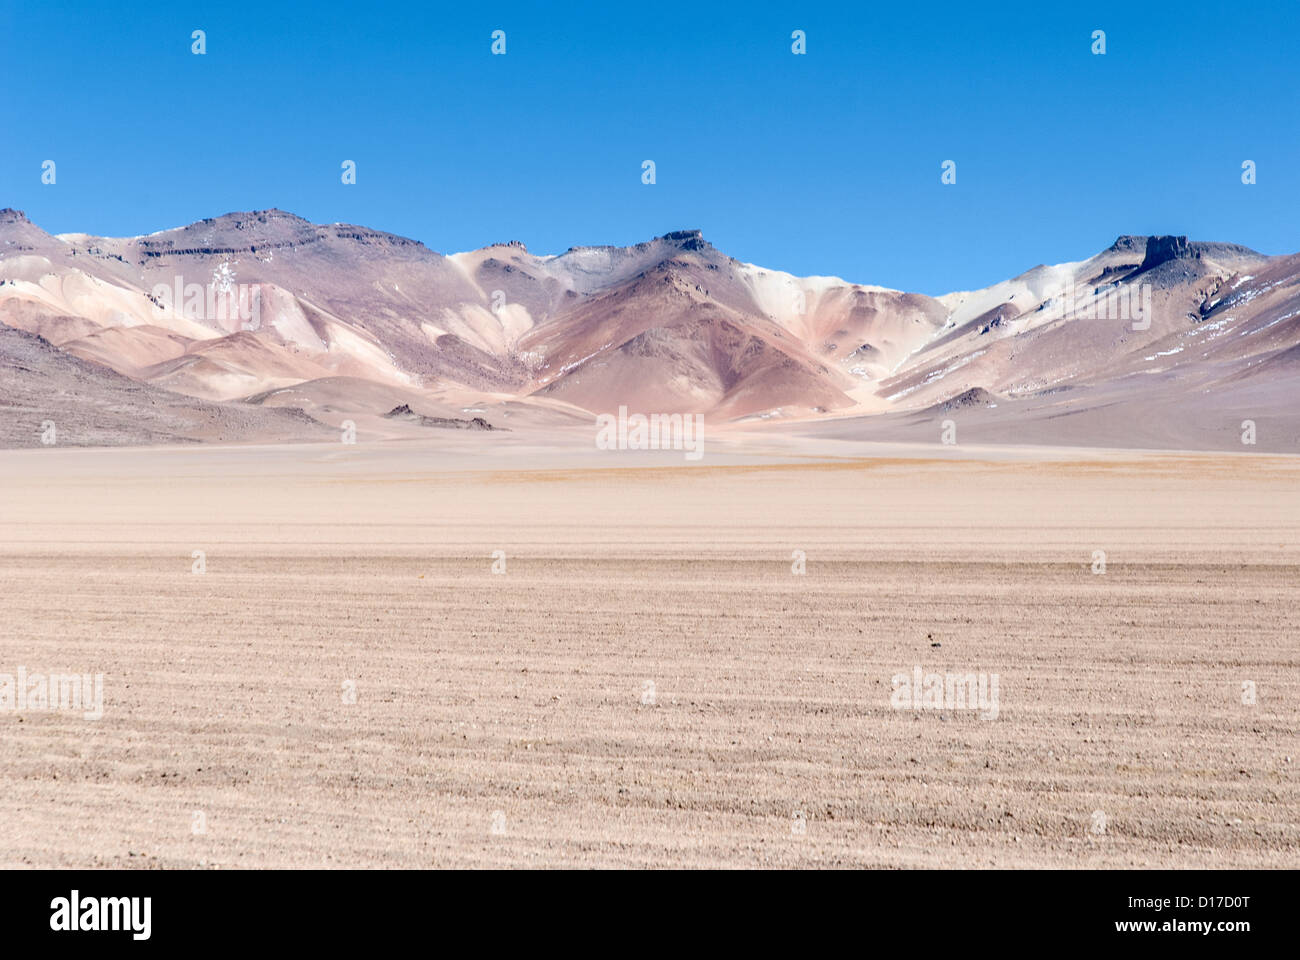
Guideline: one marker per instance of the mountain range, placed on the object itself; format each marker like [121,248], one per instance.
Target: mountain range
[263,326]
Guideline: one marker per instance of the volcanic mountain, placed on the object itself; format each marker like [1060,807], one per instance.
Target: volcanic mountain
[250,312]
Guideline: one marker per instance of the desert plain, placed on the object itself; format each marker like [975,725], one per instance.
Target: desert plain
[648,682]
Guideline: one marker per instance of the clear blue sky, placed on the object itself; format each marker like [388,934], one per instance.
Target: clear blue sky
[823,163]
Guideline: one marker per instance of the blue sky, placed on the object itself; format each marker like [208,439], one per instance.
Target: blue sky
[822,163]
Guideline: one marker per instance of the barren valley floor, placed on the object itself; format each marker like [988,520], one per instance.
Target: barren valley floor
[648,684]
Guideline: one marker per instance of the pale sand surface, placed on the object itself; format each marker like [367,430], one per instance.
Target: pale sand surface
[521,693]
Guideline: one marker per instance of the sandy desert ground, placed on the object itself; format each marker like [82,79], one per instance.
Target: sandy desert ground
[507,719]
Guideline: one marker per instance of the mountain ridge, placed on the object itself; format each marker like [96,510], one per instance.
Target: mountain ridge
[671,324]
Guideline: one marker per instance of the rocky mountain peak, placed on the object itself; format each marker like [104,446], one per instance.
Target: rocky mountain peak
[687,239]
[1163,249]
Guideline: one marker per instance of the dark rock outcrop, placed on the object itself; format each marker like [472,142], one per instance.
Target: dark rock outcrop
[404,412]
[974,397]
[1163,249]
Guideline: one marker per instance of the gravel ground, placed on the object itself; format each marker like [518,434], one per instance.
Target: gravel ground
[649,683]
